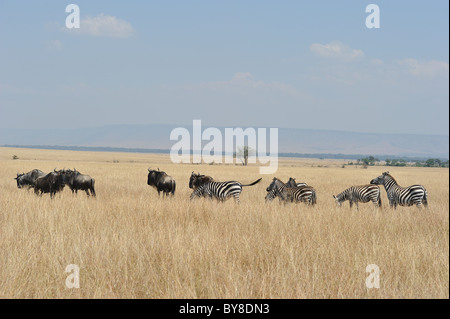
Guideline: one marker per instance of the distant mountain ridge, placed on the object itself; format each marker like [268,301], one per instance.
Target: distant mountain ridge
[289,140]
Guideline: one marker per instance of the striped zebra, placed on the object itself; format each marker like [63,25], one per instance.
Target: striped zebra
[220,190]
[403,196]
[291,183]
[305,194]
[361,193]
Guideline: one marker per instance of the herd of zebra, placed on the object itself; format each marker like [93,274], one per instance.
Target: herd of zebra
[206,186]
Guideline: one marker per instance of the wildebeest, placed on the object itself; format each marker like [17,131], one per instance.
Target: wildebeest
[78,181]
[161,181]
[28,178]
[51,183]
[197,180]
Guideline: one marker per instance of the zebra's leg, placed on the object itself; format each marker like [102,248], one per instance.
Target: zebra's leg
[375,203]
[236,198]
[391,203]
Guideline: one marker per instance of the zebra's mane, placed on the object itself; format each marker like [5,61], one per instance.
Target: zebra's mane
[279,180]
[390,176]
[342,195]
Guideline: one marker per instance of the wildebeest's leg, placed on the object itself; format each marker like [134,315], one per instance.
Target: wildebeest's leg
[87,191]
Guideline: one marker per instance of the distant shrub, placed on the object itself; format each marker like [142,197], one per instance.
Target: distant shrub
[14,157]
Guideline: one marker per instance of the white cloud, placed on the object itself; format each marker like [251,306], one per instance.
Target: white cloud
[104,26]
[427,69]
[336,49]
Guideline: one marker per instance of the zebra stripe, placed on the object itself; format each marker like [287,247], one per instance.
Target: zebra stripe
[362,193]
[305,194]
[403,196]
[220,190]
[272,194]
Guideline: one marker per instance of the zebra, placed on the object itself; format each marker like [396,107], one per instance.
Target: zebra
[361,193]
[305,194]
[403,196]
[221,190]
[291,183]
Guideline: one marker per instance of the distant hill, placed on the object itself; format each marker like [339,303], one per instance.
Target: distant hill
[290,140]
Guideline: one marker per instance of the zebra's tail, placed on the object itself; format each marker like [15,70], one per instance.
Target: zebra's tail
[425,198]
[314,197]
[255,182]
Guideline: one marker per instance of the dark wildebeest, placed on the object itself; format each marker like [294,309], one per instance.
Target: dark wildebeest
[78,181]
[28,178]
[161,181]
[197,180]
[51,183]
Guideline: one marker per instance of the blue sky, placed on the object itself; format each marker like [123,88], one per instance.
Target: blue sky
[292,64]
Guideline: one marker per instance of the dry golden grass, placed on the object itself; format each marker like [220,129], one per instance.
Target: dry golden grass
[129,243]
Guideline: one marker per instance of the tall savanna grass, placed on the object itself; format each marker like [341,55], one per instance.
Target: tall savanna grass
[129,243]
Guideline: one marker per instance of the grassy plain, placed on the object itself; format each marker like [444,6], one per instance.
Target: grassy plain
[128,243]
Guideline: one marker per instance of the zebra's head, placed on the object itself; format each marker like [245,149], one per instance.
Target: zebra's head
[291,182]
[380,179]
[339,199]
[276,183]
[270,196]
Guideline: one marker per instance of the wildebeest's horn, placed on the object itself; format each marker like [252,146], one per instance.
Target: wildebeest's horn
[149,169]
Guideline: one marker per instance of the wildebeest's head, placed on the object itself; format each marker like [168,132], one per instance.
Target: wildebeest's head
[61,177]
[67,175]
[192,180]
[197,180]
[153,176]
[19,179]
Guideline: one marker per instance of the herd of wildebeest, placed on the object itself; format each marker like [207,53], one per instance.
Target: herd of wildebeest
[206,186]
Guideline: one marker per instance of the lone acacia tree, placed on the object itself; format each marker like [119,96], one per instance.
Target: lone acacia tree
[244,153]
